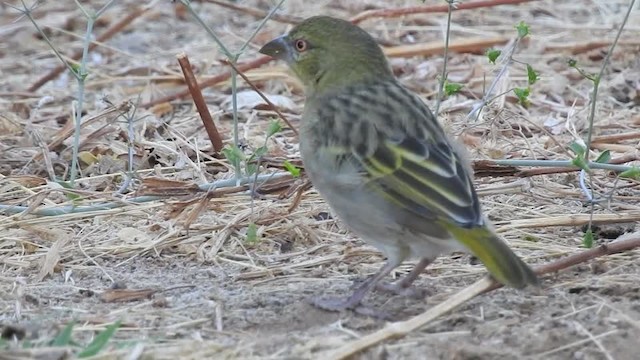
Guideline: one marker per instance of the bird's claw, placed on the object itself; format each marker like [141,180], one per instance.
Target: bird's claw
[400,289]
[339,304]
[334,304]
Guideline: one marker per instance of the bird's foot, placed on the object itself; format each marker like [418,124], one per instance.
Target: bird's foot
[335,304]
[341,304]
[401,289]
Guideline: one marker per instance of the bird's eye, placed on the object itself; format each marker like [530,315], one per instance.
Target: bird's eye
[301,45]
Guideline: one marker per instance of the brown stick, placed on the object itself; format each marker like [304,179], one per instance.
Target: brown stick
[485,168]
[287,19]
[583,47]
[613,138]
[210,82]
[619,148]
[474,45]
[273,107]
[484,285]
[624,243]
[201,105]
[387,13]
[114,29]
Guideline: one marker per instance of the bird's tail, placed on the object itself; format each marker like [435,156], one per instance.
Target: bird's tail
[503,264]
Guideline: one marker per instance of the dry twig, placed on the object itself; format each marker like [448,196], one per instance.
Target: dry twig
[201,105]
[287,19]
[424,9]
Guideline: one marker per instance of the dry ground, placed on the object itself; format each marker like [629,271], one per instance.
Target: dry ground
[220,296]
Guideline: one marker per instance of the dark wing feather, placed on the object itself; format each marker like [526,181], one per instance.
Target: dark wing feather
[410,161]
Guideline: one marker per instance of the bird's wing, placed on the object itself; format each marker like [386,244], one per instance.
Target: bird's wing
[425,177]
[400,151]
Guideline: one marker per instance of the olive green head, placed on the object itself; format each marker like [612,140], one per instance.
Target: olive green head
[326,52]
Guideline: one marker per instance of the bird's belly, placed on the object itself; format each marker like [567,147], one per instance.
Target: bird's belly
[371,217]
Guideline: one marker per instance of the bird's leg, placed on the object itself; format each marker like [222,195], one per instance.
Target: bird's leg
[338,304]
[403,286]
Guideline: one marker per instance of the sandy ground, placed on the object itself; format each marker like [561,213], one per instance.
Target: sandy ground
[213,294]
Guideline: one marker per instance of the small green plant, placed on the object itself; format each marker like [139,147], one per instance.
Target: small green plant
[632,173]
[587,238]
[604,157]
[235,156]
[292,169]
[574,65]
[580,152]
[493,55]
[100,341]
[75,198]
[65,339]
[251,162]
[532,75]
[252,234]
[523,95]
[523,29]
[451,88]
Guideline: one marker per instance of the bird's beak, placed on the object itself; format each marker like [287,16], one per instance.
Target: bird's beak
[277,48]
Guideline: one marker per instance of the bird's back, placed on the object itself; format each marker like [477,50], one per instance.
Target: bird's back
[382,119]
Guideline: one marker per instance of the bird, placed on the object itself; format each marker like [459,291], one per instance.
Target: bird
[377,155]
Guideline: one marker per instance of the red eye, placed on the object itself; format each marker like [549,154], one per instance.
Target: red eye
[301,45]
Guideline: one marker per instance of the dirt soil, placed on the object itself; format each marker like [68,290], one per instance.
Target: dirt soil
[207,289]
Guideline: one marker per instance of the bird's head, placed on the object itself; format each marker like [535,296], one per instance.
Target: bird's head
[326,52]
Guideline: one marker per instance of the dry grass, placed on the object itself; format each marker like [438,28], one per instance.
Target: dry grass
[200,290]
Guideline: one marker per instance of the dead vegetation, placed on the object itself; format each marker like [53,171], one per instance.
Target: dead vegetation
[187,273]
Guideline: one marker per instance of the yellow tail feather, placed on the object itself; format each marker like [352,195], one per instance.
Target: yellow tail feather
[503,264]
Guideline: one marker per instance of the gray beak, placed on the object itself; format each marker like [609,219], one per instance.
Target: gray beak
[277,48]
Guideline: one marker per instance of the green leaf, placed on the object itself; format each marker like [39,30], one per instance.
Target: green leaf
[100,341]
[523,95]
[579,161]
[251,168]
[71,196]
[523,29]
[574,64]
[633,173]
[64,337]
[292,169]
[234,155]
[532,75]
[604,157]
[260,152]
[252,233]
[75,68]
[451,88]
[587,239]
[493,55]
[578,148]
[274,128]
